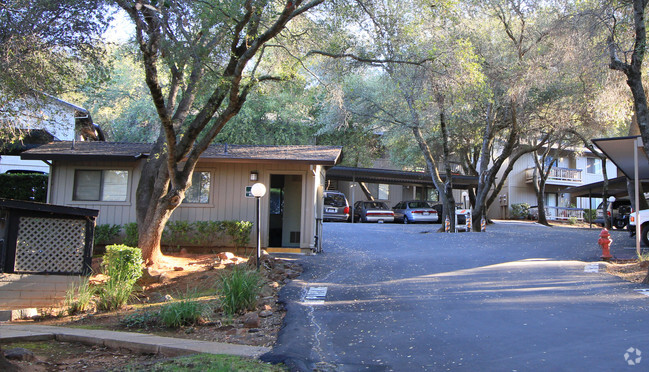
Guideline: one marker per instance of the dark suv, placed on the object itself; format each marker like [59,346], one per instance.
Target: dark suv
[336,207]
[618,211]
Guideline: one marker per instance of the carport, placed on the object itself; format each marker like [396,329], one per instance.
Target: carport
[396,177]
[628,154]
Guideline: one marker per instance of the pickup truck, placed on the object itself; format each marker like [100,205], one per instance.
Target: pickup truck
[643,218]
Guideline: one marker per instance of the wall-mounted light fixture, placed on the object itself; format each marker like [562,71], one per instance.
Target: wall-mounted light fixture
[254,176]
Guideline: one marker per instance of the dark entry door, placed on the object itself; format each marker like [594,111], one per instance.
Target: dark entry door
[285,210]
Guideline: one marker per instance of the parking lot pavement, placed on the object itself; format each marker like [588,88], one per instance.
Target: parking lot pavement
[518,297]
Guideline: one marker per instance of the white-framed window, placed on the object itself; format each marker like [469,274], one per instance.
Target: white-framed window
[593,166]
[199,191]
[100,185]
[384,191]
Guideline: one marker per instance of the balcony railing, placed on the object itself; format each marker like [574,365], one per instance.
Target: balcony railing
[557,174]
[559,213]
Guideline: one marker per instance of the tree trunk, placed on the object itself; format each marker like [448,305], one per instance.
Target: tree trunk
[366,191]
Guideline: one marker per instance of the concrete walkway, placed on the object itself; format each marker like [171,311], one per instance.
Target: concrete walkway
[137,342]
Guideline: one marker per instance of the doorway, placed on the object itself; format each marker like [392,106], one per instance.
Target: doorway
[285,210]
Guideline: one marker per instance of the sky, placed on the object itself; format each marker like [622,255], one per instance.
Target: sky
[120,29]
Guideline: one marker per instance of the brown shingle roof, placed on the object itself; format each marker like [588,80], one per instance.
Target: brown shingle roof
[118,151]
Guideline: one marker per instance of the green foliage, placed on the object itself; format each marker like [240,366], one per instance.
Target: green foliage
[520,210]
[590,215]
[207,231]
[132,236]
[29,187]
[238,289]
[141,319]
[114,294]
[208,362]
[572,220]
[106,233]
[123,265]
[183,313]
[239,232]
[79,297]
[176,232]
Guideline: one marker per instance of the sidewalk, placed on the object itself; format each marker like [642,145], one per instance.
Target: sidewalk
[136,342]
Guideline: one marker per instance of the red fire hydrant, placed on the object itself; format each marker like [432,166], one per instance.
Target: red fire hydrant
[605,241]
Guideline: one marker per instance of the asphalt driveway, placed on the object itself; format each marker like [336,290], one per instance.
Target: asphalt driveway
[518,297]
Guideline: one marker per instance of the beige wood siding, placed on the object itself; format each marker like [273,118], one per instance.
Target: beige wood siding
[227,199]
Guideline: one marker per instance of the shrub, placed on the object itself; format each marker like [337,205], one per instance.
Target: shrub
[78,297]
[520,210]
[239,232]
[176,232]
[132,236]
[590,215]
[238,289]
[141,319]
[182,313]
[207,231]
[106,233]
[572,220]
[123,265]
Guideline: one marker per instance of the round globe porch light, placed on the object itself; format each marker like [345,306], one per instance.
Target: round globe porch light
[258,190]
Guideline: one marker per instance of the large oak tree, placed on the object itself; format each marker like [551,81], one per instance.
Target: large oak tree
[212,54]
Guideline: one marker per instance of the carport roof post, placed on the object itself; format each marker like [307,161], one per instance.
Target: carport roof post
[628,154]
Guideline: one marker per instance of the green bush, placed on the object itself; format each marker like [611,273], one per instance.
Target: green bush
[141,319]
[238,289]
[132,236]
[123,265]
[106,233]
[176,232]
[78,297]
[182,313]
[590,215]
[30,187]
[572,220]
[207,231]
[520,210]
[239,232]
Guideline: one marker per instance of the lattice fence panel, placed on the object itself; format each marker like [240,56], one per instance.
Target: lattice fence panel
[50,245]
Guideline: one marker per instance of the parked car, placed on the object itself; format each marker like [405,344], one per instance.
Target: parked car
[411,211]
[372,211]
[618,211]
[336,207]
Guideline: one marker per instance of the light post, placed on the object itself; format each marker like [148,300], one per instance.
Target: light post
[258,190]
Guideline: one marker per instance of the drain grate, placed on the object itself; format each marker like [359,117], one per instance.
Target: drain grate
[316,294]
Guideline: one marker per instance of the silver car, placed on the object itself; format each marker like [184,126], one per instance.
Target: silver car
[411,211]
[372,211]
[336,207]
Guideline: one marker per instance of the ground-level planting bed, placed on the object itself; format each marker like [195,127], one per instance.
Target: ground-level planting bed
[193,278]
[69,356]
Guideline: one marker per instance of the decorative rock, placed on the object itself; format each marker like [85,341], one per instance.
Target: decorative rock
[20,353]
[178,268]
[168,298]
[266,291]
[265,313]
[225,256]
[292,274]
[251,320]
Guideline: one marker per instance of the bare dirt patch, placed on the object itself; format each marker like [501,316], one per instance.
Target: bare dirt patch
[633,271]
[195,276]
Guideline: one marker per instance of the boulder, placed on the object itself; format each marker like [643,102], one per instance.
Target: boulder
[265,313]
[19,353]
[251,320]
